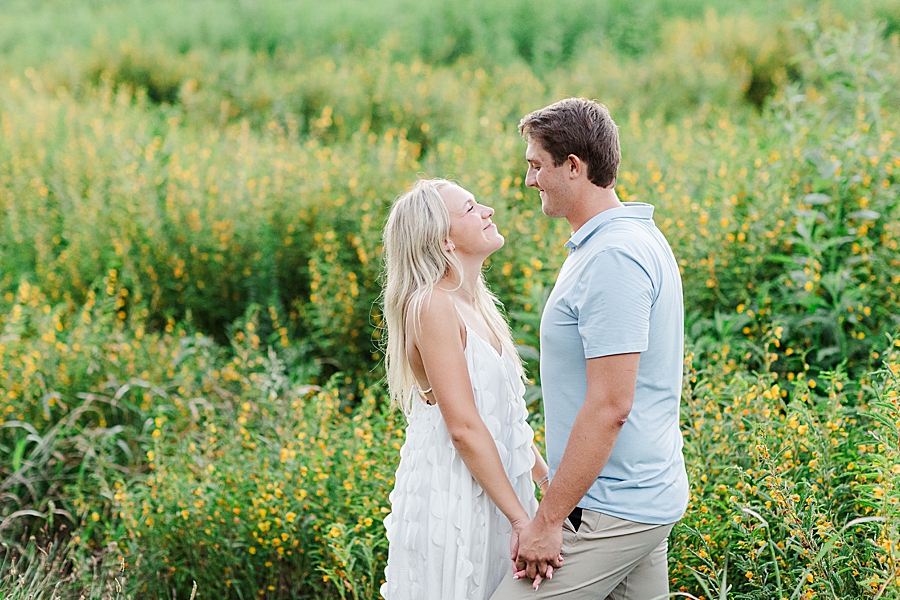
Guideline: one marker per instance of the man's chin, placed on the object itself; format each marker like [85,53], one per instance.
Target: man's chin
[548,211]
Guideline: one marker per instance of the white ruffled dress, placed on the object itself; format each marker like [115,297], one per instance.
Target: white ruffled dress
[448,540]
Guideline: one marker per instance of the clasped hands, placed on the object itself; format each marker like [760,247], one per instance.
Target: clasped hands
[534,548]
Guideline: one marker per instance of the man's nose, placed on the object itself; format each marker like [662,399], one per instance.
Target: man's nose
[530,179]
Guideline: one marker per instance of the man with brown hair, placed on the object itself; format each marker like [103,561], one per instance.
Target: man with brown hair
[611,364]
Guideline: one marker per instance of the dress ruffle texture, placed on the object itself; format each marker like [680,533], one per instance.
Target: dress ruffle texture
[448,541]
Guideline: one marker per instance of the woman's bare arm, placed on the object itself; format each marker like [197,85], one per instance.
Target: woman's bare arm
[440,346]
[540,468]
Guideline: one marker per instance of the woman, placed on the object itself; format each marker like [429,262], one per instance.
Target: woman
[464,483]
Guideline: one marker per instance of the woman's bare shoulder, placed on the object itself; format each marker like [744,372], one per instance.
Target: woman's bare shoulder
[437,315]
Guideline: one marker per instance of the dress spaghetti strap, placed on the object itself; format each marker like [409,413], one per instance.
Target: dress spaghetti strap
[422,395]
[459,314]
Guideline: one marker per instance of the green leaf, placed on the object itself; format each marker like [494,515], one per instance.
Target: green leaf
[18,453]
[845,239]
[780,258]
[870,215]
[817,199]
[528,352]
[824,353]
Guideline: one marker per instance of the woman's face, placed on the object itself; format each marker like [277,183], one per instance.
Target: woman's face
[471,230]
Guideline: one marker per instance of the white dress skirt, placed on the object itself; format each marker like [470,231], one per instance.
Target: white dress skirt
[447,539]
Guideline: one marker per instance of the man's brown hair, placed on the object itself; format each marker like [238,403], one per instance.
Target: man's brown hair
[580,127]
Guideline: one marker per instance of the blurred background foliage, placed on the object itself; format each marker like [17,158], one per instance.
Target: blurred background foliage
[192,200]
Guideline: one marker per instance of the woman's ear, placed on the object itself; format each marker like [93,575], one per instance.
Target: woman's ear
[449,245]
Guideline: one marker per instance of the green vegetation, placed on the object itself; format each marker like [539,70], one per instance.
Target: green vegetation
[192,199]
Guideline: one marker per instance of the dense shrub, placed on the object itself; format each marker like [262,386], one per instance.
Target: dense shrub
[190,261]
[796,211]
[791,484]
[265,491]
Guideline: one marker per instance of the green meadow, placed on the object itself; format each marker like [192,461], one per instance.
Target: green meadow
[192,196]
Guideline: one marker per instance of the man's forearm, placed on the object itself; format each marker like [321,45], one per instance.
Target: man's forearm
[587,451]
[610,395]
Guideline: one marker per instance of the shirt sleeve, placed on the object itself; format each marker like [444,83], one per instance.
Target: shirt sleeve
[612,304]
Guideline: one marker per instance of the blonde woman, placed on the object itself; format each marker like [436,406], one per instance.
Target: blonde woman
[463,489]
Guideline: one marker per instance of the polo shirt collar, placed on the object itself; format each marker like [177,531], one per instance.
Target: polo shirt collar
[628,210]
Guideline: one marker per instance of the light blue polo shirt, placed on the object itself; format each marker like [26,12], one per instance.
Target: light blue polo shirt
[619,291]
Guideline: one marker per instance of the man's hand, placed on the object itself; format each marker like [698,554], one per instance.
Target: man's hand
[539,546]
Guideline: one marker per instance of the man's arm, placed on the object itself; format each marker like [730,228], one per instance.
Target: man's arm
[611,382]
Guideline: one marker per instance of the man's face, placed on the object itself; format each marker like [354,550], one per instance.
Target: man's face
[552,182]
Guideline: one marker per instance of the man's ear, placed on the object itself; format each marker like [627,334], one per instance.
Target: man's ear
[576,166]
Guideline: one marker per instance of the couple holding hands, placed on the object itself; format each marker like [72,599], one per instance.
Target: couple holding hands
[611,339]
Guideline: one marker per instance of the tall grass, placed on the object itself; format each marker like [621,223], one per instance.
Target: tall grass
[544,36]
[190,257]
[58,571]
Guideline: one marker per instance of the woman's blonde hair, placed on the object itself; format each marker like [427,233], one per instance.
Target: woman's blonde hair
[416,259]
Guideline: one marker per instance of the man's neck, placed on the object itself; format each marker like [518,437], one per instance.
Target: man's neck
[593,201]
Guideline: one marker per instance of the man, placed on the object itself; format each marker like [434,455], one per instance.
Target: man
[611,366]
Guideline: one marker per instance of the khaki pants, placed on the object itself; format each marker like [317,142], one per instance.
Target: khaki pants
[606,559]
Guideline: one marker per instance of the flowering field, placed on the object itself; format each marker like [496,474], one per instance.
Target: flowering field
[190,376]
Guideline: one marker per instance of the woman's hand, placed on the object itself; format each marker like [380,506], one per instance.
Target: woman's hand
[517,526]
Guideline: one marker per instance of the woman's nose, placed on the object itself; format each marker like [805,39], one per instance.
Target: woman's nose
[488,212]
